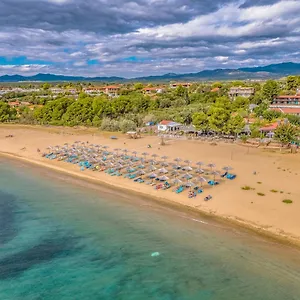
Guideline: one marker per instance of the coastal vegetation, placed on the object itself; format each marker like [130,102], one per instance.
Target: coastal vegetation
[207,106]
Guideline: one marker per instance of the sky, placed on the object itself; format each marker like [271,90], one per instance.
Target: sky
[145,37]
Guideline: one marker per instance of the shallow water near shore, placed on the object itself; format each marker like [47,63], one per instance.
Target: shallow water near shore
[64,240]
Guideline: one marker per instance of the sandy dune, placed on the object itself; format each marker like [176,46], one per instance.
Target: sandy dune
[275,171]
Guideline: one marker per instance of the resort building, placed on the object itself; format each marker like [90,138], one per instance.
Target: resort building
[177,84]
[153,90]
[111,90]
[241,91]
[286,104]
[168,126]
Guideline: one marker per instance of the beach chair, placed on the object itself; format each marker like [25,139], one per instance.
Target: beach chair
[224,175]
[230,176]
[207,198]
[212,182]
[179,190]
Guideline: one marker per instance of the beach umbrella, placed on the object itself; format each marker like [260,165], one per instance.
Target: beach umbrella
[200,163]
[145,154]
[177,181]
[125,150]
[152,175]
[187,176]
[135,153]
[176,167]
[164,157]
[164,164]
[154,155]
[152,168]
[178,159]
[141,172]
[201,180]
[163,170]
[211,166]
[215,173]
[189,184]
[105,147]
[163,178]
[188,168]
[199,171]
[227,168]
[188,162]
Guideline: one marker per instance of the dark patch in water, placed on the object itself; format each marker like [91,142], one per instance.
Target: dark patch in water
[47,250]
[7,217]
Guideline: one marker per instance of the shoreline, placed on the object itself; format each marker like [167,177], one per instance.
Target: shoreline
[282,237]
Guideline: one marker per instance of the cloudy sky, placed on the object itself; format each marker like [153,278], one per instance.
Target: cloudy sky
[145,37]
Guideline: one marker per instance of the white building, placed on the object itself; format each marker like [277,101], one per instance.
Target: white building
[168,126]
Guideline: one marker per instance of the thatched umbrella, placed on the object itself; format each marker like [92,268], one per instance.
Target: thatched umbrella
[177,181]
[211,166]
[227,168]
[188,162]
[145,154]
[152,175]
[163,178]
[199,171]
[201,180]
[187,176]
[152,168]
[215,173]
[163,170]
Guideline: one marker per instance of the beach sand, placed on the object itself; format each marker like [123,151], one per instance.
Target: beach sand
[274,171]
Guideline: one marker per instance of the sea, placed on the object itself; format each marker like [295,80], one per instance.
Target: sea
[65,239]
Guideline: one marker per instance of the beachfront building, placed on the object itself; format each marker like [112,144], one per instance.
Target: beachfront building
[168,126]
[241,91]
[286,104]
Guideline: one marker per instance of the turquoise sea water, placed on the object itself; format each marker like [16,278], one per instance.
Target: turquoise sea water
[60,239]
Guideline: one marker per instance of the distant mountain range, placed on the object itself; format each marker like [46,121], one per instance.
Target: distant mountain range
[266,72]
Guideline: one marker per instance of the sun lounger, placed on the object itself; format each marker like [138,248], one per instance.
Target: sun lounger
[224,175]
[207,198]
[179,190]
[212,182]
[231,176]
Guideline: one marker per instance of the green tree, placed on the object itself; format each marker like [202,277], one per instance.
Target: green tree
[6,113]
[240,103]
[286,133]
[200,120]
[292,82]
[46,86]
[270,90]
[236,124]
[138,86]
[218,118]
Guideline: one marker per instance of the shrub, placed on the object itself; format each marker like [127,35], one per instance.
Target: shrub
[109,125]
[247,188]
[273,191]
[259,182]
[287,201]
[260,194]
[127,125]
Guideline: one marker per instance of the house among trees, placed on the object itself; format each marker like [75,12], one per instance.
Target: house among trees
[152,90]
[177,84]
[288,104]
[111,90]
[241,91]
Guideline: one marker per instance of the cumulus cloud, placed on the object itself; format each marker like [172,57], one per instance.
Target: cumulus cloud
[143,37]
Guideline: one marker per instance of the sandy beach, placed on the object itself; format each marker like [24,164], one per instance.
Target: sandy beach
[277,174]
